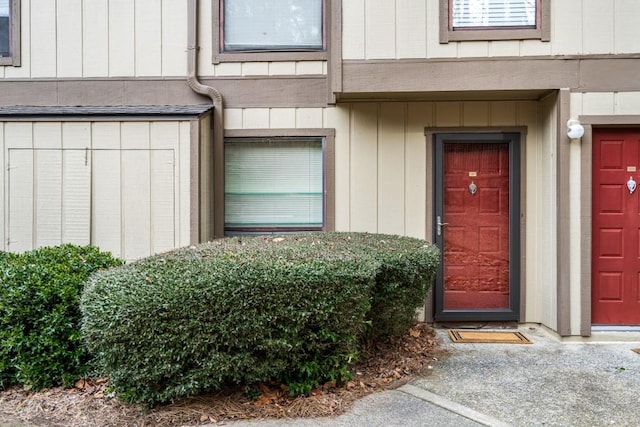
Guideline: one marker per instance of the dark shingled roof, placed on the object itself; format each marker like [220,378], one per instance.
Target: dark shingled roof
[106,110]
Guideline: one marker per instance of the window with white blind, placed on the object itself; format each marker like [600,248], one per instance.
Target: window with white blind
[493,13]
[10,32]
[494,20]
[272,25]
[274,184]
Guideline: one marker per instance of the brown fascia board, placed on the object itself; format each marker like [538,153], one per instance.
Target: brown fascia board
[308,91]
[593,74]
[458,75]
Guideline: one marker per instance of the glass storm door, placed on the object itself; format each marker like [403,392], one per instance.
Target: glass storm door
[476,226]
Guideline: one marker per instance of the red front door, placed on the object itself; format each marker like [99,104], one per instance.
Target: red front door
[616,228]
[476,236]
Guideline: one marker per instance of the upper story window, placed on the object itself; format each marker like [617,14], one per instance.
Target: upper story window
[269,30]
[10,32]
[494,20]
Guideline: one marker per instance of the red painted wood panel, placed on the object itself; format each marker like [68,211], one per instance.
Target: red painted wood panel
[615,256]
[476,239]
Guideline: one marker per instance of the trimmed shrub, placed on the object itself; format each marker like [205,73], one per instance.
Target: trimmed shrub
[291,309]
[40,340]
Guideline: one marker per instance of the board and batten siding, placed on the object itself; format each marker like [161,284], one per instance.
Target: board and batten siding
[398,29]
[101,38]
[121,186]
[124,39]
[382,167]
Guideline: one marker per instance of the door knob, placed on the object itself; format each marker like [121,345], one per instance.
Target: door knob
[439,225]
[631,185]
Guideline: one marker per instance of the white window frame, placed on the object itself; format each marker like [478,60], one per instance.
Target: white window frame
[14,36]
[541,31]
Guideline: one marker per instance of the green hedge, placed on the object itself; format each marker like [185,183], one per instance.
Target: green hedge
[40,340]
[246,310]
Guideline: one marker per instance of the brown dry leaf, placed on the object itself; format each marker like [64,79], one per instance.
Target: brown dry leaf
[385,365]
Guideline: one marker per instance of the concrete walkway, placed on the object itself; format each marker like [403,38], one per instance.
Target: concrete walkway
[547,383]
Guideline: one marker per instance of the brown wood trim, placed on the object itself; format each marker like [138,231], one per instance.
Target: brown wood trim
[194,183]
[430,235]
[522,130]
[335,50]
[461,75]
[262,133]
[545,17]
[286,92]
[498,34]
[580,74]
[586,185]
[609,121]
[269,56]
[542,32]
[14,27]
[329,162]
[563,218]
[330,181]
[444,21]
[523,224]
[219,56]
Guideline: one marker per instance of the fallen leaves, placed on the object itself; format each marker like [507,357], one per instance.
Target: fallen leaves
[384,365]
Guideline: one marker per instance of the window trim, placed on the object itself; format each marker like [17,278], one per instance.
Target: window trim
[542,32]
[219,55]
[328,175]
[14,35]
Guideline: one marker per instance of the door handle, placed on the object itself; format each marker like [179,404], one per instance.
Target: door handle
[439,225]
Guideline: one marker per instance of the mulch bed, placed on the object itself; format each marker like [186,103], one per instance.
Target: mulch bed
[386,365]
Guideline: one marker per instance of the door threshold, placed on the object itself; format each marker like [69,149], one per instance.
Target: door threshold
[615,328]
[476,325]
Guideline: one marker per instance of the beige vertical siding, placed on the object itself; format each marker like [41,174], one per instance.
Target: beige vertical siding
[129,38]
[121,38]
[382,167]
[541,220]
[411,43]
[123,186]
[43,41]
[103,38]
[17,146]
[605,103]
[396,29]
[69,38]
[95,38]
[363,167]
[391,169]
[148,37]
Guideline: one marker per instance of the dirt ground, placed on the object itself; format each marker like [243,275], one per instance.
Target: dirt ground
[388,365]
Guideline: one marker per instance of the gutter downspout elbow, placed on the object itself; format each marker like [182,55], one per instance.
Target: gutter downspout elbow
[213,217]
